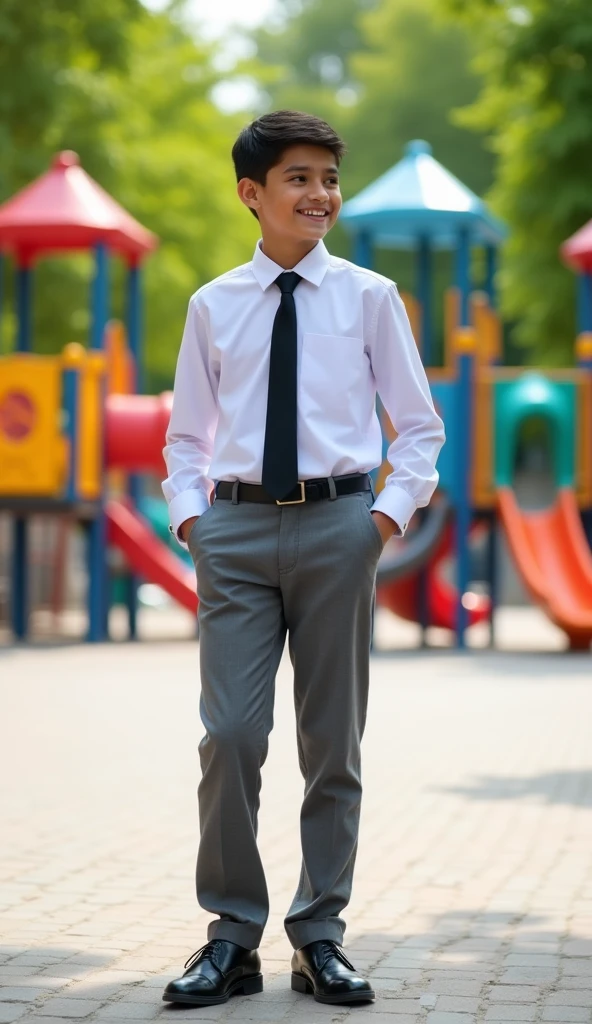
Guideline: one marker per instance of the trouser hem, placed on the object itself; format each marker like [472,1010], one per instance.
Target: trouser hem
[302,932]
[246,935]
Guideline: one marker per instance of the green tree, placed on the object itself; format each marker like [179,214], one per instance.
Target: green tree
[382,73]
[129,90]
[536,63]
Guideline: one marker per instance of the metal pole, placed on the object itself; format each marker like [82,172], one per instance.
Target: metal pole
[100,297]
[71,378]
[424,297]
[465,347]
[492,573]
[97,576]
[363,249]
[23,308]
[20,538]
[463,280]
[134,334]
[134,322]
[490,272]
[20,581]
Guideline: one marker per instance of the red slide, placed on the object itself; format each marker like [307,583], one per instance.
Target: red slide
[551,554]
[148,556]
[402,596]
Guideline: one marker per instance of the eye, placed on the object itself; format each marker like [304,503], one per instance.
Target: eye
[298,177]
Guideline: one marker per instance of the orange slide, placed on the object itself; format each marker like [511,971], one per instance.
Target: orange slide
[148,556]
[552,556]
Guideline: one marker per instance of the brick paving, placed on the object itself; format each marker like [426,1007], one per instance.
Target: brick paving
[473,895]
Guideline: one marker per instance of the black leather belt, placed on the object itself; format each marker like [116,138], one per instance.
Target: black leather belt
[307,490]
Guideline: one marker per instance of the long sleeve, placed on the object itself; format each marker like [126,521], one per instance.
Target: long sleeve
[192,427]
[404,390]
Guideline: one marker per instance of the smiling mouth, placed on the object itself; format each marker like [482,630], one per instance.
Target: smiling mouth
[319,215]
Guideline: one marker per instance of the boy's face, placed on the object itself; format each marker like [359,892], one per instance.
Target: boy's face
[300,200]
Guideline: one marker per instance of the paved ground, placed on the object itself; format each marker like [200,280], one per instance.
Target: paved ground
[473,897]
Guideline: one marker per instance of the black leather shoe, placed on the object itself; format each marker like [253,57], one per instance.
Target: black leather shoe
[323,969]
[215,972]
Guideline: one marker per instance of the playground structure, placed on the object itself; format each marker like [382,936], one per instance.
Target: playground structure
[418,205]
[75,436]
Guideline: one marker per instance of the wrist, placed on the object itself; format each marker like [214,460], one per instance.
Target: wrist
[185,527]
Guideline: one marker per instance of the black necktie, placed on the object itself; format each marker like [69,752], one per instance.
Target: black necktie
[280,451]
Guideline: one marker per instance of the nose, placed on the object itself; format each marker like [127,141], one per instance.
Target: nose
[318,192]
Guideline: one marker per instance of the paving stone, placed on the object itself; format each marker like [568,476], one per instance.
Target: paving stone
[130,1011]
[11,1011]
[473,890]
[21,994]
[528,976]
[578,1014]
[511,1012]
[458,1004]
[576,997]
[514,993]
[64,1008]
[443,1017]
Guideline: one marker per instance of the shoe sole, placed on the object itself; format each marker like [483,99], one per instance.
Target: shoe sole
[246,987]
[302,984]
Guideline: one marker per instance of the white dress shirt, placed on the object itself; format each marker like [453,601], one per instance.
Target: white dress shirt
[354,339]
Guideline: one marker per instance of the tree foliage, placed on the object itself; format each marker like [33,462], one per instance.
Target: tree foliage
[536,61]
[382,72]
[129,91]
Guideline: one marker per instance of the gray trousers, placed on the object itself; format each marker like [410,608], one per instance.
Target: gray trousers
[263,571]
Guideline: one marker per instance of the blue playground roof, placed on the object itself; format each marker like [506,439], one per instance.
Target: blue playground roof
[420,197]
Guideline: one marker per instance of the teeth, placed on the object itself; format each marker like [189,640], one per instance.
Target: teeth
[313,213]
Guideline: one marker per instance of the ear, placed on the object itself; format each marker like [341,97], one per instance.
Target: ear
[247,191]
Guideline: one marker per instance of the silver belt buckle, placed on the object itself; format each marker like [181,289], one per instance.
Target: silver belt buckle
[299,500]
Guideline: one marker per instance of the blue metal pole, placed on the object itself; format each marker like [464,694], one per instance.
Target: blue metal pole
[424,296]
[363,249]
[585,301]
[20,545]
[134,333]
[97,576]
[134,322]
[492,574]
[20,588]
[490,272]
[100,297]
[23,309]
[463,488]
[463,279]
[71,378]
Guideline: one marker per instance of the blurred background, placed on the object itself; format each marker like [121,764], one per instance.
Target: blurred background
[151,96]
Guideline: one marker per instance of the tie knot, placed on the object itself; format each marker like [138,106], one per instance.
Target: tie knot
[287,282]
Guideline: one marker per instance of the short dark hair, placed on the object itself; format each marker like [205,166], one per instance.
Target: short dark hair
[261,143]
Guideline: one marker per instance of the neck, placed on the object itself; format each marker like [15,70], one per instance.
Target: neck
[286,254]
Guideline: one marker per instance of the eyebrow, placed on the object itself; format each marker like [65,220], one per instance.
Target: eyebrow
[301,167]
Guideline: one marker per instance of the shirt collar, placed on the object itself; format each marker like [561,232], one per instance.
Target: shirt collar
[312,268]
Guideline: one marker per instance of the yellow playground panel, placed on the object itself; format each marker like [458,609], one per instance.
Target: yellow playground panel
[34,444]
[33,451]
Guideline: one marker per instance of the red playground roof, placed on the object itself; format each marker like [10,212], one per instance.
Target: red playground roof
[65,209]
[577,250]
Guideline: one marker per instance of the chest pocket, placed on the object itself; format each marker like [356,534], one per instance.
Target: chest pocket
[333,374]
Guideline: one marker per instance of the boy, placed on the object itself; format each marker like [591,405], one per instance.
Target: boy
[275,401]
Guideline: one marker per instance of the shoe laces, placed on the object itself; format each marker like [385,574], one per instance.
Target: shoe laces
[330,950]
[207,952]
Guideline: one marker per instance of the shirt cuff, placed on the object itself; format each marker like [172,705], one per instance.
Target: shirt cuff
[183,506]
[395,503]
